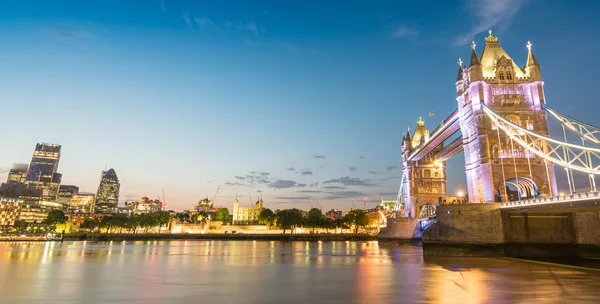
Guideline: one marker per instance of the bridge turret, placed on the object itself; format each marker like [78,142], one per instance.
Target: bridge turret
[532,68]
[475,66]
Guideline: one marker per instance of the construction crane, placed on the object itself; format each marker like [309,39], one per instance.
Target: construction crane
[250,196]
[215,196]
[309,202]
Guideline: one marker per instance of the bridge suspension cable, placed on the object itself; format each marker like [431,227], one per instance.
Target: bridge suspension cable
[573,157]
[581,129]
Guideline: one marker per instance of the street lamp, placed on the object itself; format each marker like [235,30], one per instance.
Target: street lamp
[461,196]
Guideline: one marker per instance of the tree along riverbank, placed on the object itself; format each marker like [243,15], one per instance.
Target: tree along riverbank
[266,237]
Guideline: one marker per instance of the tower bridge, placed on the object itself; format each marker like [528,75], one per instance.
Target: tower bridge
[502,118]
[501,124]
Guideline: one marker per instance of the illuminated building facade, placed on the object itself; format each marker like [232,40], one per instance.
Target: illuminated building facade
[107,196]
[17,174]
[145,205]
[493,163]
[334,214]
[82,203]
[246,215]
[204,205]
[10,210]
[424,180]
[65,193]
[43,169]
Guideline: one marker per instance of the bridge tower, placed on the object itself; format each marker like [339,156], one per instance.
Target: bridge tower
[492,161]
[424,181]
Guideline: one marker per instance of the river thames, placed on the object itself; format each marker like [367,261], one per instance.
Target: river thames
[274,272]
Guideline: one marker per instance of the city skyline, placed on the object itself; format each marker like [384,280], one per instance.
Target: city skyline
[258,99]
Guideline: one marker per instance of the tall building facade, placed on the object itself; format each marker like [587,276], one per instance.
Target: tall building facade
[107,196]
[81,203]
[18,174]
[492,162]
[43,170]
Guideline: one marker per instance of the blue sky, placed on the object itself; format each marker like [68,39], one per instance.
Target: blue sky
[193,94]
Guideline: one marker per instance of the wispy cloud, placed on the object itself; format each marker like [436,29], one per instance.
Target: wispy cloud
[73,34]
[352,169]
[306,172]
[162,7]
[391,168]
[349,181]
[186,17]
[344,194]
[203,22]
[489,14]
[291,197]
[406,32]
[282,184]
[291,169]
[309,191]
[361,157]
[334,187]
[318,156]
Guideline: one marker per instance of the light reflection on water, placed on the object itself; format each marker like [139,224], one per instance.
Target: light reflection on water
[273,272]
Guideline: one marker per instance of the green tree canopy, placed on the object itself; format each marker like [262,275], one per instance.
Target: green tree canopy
[315,218]
[56,217]
[289,219]
[267,217]
[223,215]
[358,218]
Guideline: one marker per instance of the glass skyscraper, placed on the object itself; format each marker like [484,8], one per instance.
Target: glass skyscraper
[107,197]
[43,169]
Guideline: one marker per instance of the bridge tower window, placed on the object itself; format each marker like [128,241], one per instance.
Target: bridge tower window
[427,173]
[508,76]
[501,75]
[514,119]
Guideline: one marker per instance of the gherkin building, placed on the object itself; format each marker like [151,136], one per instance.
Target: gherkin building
[107,196]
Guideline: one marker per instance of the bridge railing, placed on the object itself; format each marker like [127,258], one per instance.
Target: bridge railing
[551,200]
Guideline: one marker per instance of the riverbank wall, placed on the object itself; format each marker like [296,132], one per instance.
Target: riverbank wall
[265,237]
[485,230]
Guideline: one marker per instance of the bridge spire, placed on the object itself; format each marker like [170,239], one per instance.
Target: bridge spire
[474,58]
[532,68]
[530,57]
[459,76]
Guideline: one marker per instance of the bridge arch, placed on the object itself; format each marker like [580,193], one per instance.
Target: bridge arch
[426,210]
[520,188]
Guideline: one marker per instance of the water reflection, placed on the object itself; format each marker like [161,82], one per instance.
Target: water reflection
[272,272]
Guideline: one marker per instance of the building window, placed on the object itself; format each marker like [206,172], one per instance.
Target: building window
[501,75]
[417,173]
[509,75]
[436,174]
[427,173]
[514,119]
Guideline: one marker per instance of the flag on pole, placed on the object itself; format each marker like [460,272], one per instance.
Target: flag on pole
[431,113]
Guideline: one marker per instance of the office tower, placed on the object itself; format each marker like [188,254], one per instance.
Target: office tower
[43,169]
[107,196]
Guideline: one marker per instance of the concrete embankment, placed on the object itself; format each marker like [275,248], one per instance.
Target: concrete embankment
[266,237]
